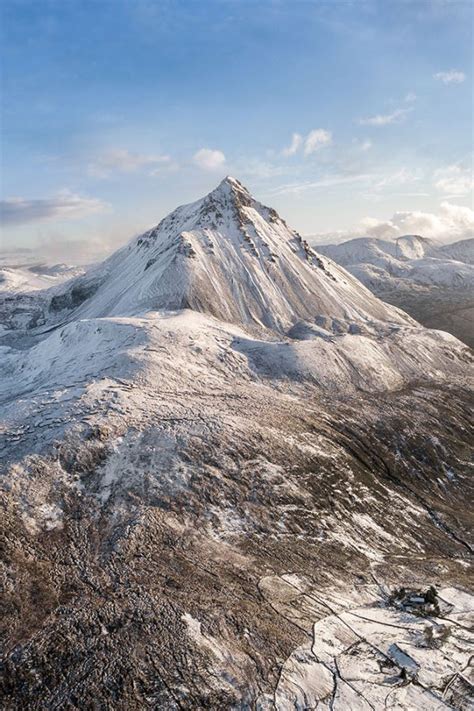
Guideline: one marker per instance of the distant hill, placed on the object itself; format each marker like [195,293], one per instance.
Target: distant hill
[433,283]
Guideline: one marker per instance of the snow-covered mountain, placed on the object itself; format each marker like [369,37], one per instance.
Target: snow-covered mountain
[34,277]
[226,255]
[25,291]
[221,454]
[372,250]
[434,283]
[462,251]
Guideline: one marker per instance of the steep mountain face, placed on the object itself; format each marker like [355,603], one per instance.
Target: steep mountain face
[221,454]
[433,283]
[226,255]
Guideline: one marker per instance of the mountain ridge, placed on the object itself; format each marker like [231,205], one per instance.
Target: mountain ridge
[433,282]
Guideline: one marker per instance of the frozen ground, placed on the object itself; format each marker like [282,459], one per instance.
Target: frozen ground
[375,657]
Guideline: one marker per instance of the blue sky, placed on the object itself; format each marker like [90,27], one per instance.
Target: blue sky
[343,115]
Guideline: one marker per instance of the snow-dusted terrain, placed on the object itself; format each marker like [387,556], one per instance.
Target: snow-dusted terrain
[432,282]
[221,452]
[24,290]
[226,255]
[378,657]
[29,279]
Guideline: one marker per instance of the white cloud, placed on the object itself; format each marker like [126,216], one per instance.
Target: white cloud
[385,119]
[296,142]
[403,176]
[453,76]
[366,145]
[450,223]
[328,181]
[316,139]
[410,97]
[120,160]
[64,206]
[454,180]
[370,183]
[209,159]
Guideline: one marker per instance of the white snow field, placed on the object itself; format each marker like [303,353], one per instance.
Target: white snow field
[374,657]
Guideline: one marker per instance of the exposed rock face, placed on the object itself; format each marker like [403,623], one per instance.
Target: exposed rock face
[194,515]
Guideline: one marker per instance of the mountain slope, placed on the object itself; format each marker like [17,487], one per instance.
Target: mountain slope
[370,250]
[208,507]
[25,292]
[226,255]
[462,251]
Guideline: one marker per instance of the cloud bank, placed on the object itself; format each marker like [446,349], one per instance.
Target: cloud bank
[64,206]
[453,76]
[450,223]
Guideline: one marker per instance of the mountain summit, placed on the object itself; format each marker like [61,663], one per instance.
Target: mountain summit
[229,256]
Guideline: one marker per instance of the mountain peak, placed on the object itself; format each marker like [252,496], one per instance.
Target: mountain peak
[232,182]
[229,256]
[226,205]
[230,189]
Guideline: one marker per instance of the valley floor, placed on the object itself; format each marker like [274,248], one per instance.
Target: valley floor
[450,310]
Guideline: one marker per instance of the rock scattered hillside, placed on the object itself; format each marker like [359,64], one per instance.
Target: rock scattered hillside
[223,458]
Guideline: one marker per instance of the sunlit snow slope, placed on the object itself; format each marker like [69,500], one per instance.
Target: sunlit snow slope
[229,256]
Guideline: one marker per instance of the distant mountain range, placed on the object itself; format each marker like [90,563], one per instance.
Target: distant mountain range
[434,283]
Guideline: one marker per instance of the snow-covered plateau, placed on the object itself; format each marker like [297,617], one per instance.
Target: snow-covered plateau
[233,478]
